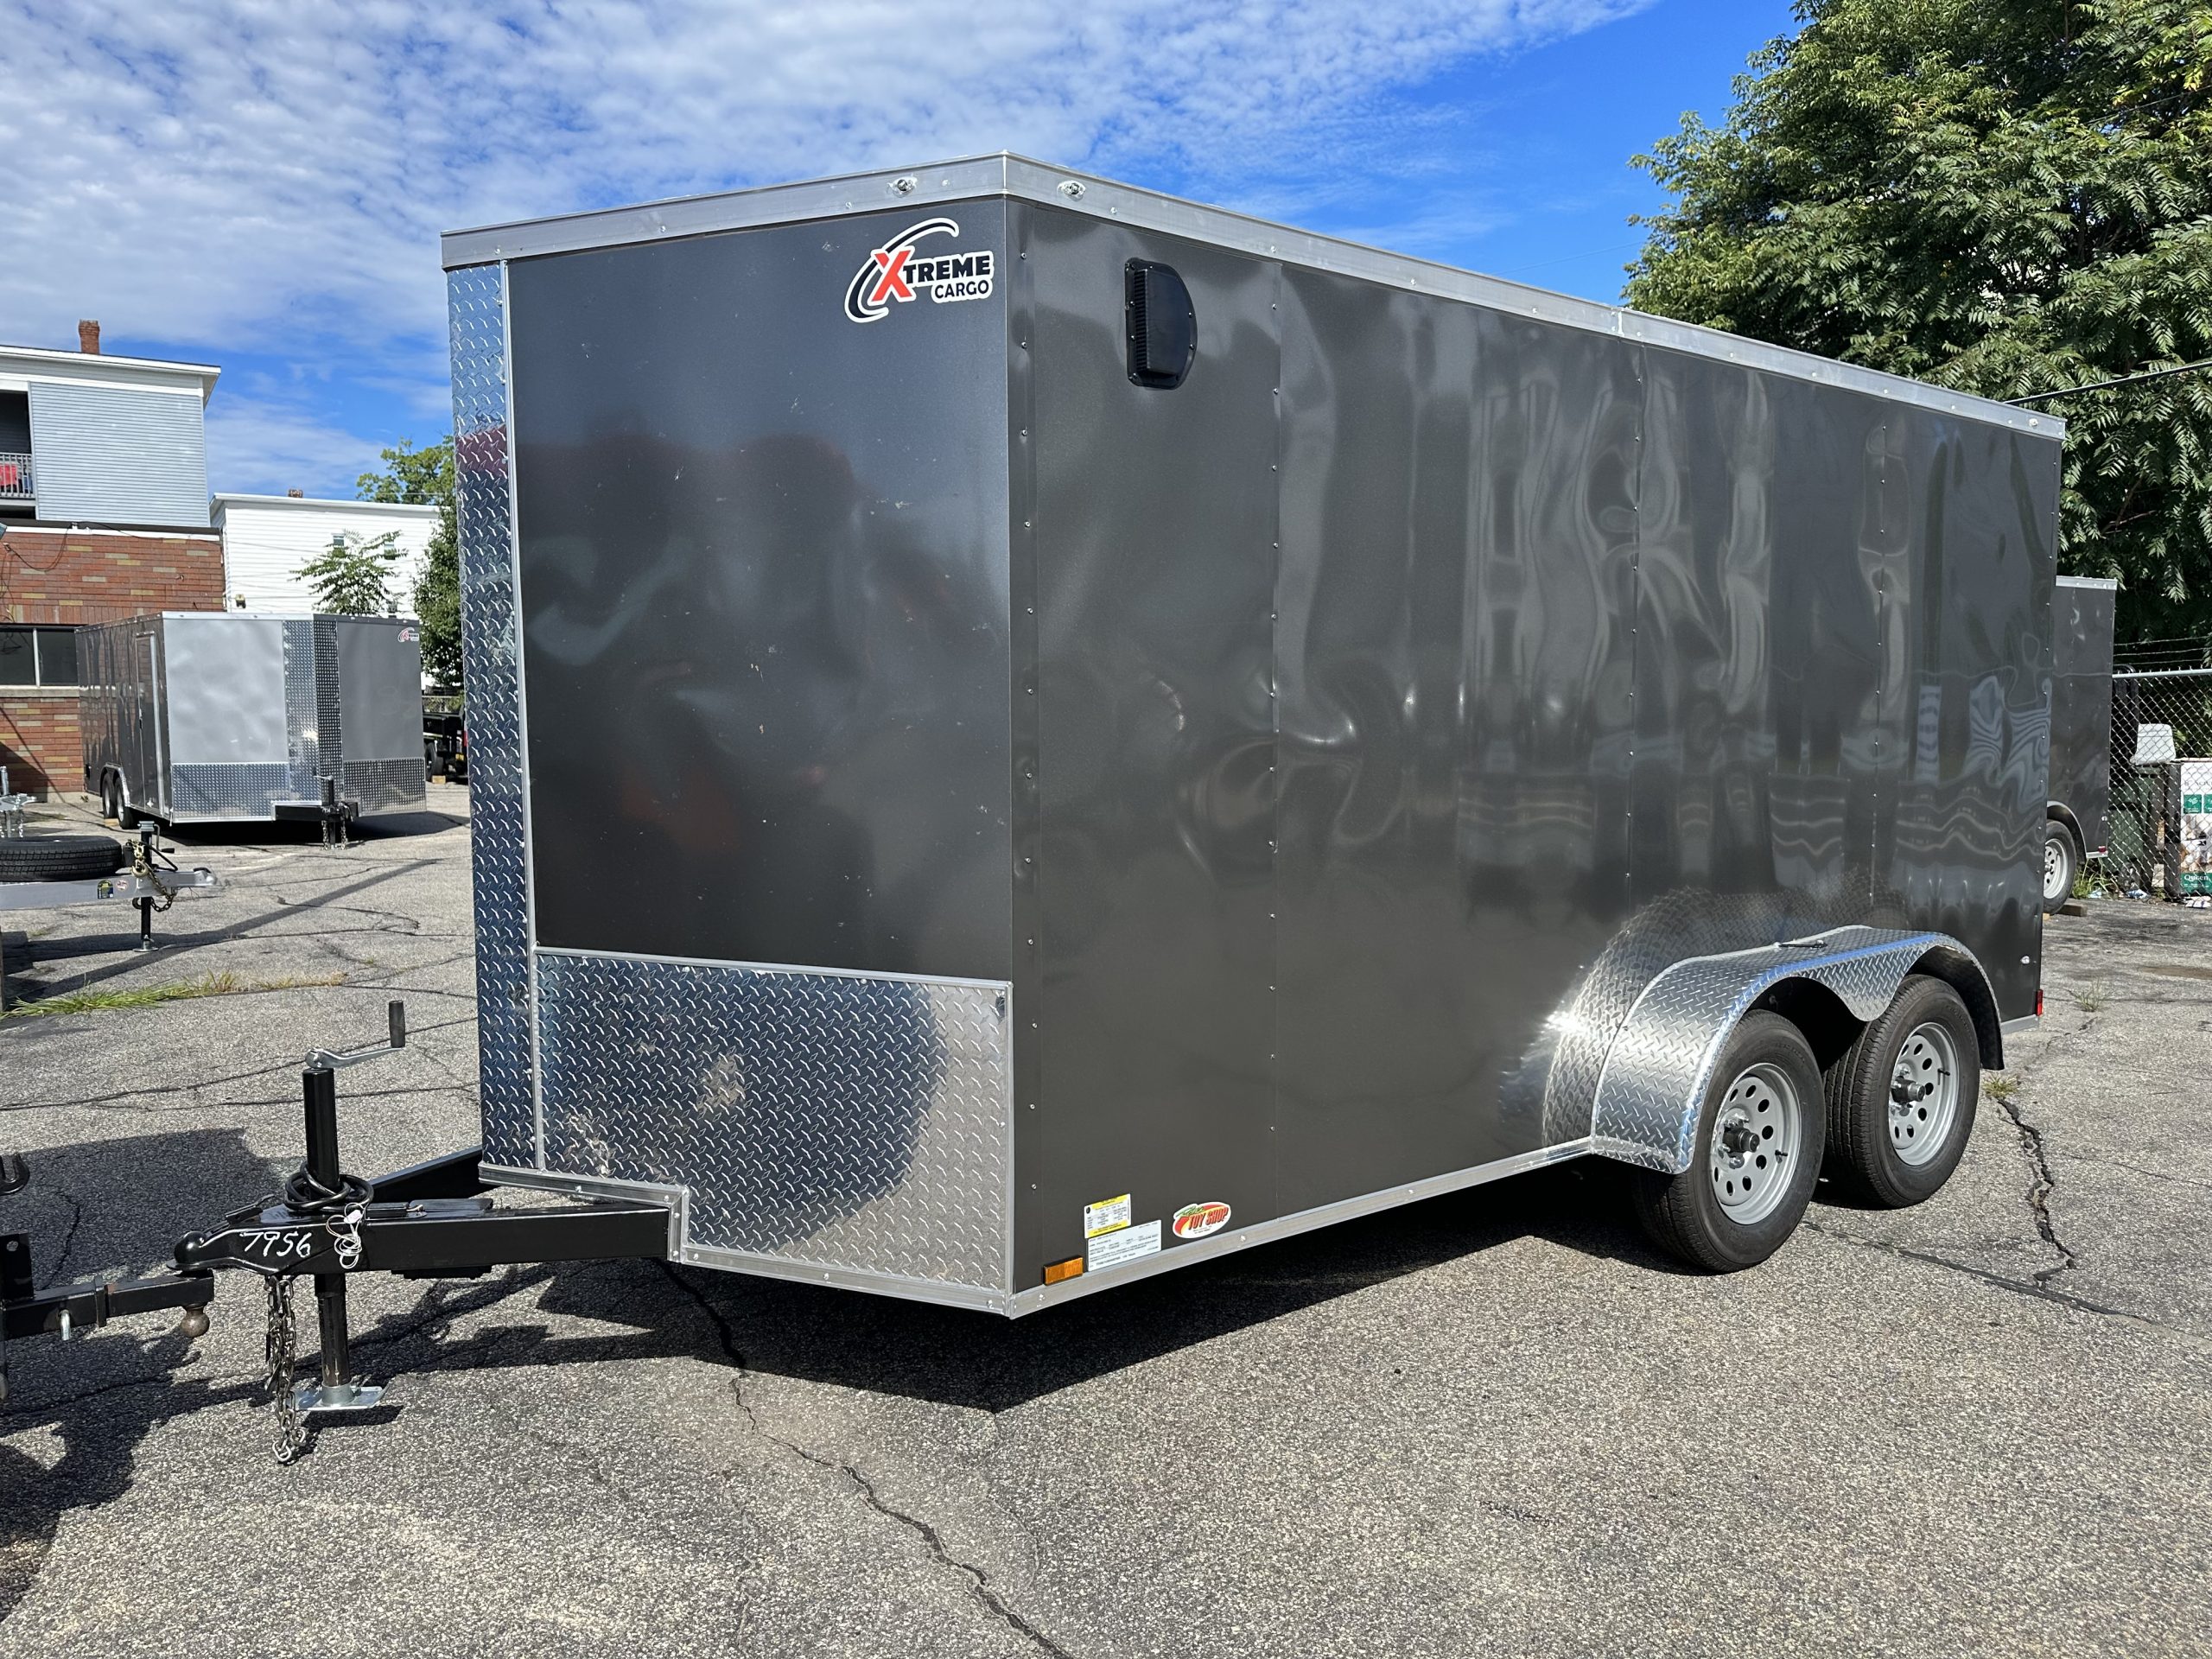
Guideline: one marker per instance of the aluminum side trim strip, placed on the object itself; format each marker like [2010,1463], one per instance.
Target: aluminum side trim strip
[2025,1022]
[1018,176]
[1029,1301]
[581,953]
[882,1284]
[1304,1221]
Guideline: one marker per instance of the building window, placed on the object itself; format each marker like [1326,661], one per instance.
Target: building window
[37,656]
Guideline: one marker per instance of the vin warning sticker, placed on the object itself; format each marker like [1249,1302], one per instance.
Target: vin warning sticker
[1122,1246]
[1105,1216]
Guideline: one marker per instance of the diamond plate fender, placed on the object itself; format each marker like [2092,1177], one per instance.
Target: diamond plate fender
[1645,1109]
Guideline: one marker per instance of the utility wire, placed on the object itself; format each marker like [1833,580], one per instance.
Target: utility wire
[2120,380]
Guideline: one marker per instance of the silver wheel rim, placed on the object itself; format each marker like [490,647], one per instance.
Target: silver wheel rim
[1753,1151]
[1924,1093]
[2054,870]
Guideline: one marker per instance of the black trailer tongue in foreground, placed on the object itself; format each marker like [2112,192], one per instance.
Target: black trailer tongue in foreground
[1024,734]
[429,1221]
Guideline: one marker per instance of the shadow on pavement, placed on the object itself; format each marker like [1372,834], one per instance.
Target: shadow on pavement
[167,944]
[121,1204]
[262,832]
[980,1361]
[98,1210]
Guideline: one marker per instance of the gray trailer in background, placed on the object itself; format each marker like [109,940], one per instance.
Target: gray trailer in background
[206,716]
[2081,732]
[1025,733]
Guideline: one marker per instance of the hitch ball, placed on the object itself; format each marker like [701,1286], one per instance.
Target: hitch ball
[194,1323]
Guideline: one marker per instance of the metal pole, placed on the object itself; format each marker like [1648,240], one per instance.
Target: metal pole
[146,905]
[319,1084]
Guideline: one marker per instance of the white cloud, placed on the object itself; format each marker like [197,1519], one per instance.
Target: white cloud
[264,446]
[258,174]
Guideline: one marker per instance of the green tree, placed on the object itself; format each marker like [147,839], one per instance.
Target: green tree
[2005,196]
[424,477]
[353,575]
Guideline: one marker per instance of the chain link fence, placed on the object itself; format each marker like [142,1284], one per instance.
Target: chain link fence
[2161,828]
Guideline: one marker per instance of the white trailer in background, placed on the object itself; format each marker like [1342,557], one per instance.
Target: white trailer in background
[205,716]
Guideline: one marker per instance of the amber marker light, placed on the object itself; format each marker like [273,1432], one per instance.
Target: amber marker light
[1057,1271]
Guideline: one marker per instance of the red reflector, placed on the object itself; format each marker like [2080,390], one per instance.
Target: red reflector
[2039,1001]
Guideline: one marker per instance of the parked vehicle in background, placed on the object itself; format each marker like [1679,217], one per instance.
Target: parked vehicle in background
[2081,732]
[206,716]
[445,739]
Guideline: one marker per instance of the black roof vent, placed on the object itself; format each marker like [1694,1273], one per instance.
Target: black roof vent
[1163,325]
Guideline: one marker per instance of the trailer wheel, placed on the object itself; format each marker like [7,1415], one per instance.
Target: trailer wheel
[113,806]
[1759,1137]
[59,858]
[2062,861]
[1900,1101]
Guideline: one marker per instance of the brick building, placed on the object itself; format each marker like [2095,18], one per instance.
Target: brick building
[104,514]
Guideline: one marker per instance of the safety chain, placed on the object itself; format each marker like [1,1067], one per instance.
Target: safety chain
[144,868]
[281,1346]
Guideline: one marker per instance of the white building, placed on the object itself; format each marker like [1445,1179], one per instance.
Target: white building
[89,438]
[266,538]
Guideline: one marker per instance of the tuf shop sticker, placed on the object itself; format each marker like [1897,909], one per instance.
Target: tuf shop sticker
[1197,1220]
[901,271]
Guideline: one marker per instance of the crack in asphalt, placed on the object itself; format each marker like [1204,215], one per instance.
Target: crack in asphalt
[979,1581]
[2135,1169]
[2039,1191]
[2034,1287]
[69,1238]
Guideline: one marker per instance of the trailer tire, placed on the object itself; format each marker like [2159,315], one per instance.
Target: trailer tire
[113,804]
[2062,862]
[59,858]
[1888,1150]
[1757,1158]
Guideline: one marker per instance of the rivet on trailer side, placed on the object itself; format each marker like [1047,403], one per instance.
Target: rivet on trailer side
[1025,733]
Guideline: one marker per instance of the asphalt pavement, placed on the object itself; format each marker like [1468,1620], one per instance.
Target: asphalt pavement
[1492,1423]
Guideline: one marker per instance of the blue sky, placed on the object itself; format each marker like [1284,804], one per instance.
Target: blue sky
[260,184]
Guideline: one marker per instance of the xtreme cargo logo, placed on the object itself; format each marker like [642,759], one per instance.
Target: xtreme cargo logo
[898,272]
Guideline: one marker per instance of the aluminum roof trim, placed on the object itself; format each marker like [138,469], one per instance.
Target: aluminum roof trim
[1007,174]
[2107,582]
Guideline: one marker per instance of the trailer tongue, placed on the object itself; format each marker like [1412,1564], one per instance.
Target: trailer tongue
[431,1220]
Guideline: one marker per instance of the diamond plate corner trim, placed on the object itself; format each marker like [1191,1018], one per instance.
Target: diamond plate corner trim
[300,732]
[476,298]
[841,1123]
[1646,1108]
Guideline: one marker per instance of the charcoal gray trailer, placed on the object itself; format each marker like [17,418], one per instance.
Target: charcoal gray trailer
[2081,732]
[1025,733]
[216,716]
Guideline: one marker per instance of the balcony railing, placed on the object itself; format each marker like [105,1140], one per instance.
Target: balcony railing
[16,478]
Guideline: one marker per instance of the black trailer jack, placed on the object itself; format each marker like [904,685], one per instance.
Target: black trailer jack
[430,1220]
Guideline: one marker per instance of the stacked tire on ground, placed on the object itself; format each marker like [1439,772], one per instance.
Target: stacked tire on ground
[1886,1120]
[59,858]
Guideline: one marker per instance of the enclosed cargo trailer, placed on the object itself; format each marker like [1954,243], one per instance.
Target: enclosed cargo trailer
[2081,732]
[210,717]
[1025,733]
